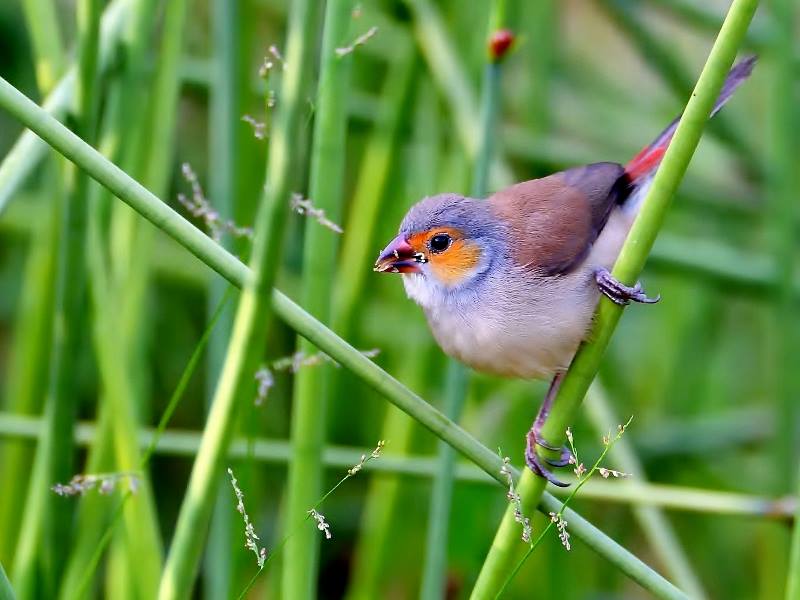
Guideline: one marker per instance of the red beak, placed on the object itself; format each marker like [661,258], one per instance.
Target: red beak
[399,257]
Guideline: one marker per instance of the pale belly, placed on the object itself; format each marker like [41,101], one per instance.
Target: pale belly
[534,340]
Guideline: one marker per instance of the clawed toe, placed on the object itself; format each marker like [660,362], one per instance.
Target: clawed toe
[535,463]
[618,292]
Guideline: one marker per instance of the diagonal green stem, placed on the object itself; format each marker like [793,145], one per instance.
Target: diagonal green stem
[627,268]
[149,206]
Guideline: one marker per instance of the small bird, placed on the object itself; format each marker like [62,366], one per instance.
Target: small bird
[509,284]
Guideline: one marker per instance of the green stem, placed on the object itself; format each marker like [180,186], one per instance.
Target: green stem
[311,391]
[627,269]
[249,329]
[224,119]
[149,206]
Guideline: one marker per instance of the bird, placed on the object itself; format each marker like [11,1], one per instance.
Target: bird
[509,284]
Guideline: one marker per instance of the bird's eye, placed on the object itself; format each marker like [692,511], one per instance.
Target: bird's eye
[440,242]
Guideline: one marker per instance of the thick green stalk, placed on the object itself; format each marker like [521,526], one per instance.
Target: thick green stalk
[249,327]
[652,520]
[457,382]
[224,121]
[29,149]
[501,558]
[309,410]
[216,257]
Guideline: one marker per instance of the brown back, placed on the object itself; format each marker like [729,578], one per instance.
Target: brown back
[556,219]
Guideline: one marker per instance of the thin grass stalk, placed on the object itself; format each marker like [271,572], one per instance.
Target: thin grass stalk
[149,206]
[29,149]
[500,559]
[659,531]
[457,381]
[38,566]
[309,401]
[224,155]
[250,322]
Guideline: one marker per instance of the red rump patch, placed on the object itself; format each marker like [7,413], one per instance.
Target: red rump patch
[646,161]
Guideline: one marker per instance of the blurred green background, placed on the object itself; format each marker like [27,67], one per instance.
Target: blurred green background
[709,374]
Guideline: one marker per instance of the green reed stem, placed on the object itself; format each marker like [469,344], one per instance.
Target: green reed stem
[311,391]
[627,268]
[149,206]
[29,149]
[250,322]
[224,122]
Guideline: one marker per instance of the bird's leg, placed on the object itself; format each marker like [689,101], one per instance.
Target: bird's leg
[534,439]
[620,293]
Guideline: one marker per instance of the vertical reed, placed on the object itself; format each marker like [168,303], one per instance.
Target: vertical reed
[312,386]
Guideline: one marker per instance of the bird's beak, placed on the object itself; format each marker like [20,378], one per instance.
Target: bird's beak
[399,257]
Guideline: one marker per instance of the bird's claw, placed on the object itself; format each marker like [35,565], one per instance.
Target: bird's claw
[534,462]
[618,292]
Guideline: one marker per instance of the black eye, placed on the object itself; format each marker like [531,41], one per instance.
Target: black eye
[440,242]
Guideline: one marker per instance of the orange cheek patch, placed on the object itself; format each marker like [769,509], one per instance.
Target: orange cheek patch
[455,263]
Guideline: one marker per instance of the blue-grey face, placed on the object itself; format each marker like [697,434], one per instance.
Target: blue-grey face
[447,240]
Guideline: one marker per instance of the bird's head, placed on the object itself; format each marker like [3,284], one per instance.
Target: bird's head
[446,243]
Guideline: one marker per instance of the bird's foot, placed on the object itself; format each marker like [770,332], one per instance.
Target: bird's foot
[620,293]
[534,461]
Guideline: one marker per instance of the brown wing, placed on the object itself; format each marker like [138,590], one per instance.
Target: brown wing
[556,219]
